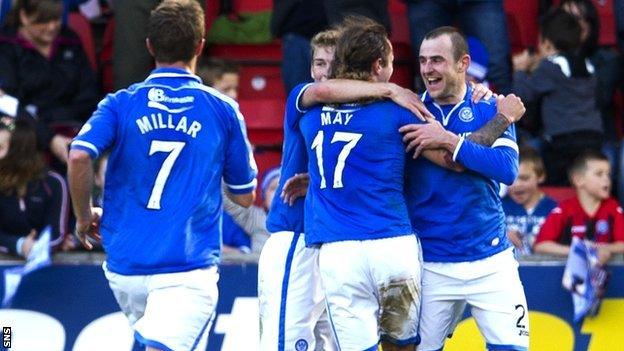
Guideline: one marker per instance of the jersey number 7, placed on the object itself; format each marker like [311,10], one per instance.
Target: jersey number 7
[317,144]
[174,148]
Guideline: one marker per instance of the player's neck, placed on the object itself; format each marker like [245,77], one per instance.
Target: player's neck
[187,66]
[589,203]
[455,97]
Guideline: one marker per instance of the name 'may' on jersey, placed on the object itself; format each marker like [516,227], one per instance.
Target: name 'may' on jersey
[172,141]
[356,164]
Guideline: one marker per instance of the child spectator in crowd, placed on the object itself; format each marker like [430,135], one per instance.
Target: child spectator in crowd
[591,215]
[220,74]
[252,219]
[31,198]
[563,81]
[526,206]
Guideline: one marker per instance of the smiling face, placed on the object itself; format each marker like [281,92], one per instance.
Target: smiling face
[40,33]
[444,76]
[526,186]
[321,63]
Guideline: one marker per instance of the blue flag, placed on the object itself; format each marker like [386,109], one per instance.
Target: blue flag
[585,278]
[38,257]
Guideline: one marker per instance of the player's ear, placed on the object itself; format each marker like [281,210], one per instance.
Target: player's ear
[464,62]
[150,49]
[200,47]
[377,66]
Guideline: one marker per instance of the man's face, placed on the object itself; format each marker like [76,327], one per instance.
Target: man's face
[443,76]
[228,85]
[322,62]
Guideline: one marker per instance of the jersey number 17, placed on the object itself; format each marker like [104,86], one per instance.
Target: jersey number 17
[351,140]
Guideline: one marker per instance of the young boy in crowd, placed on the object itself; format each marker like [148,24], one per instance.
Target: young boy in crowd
[591,215]
[220,74]
[563,83]
[526,206]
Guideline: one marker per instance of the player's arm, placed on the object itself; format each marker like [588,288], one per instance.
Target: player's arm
[344,90]
[97,135]
[80,175]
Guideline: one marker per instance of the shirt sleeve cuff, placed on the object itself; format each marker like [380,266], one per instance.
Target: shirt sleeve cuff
[297,105]
[85,146]
[242,189]
[456,151]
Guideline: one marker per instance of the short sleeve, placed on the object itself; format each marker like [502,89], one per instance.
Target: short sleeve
[99,132]
[240,167]
[618,224]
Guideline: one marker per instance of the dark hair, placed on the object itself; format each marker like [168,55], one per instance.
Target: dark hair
[22,163]
[458,40]
[562,30]
[324,39]
[362,41]
[174,30]
[579,164]
[212,69]
[42,11]
[529,154]
[589,13]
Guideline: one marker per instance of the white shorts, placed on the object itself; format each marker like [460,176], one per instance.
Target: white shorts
[292,305]
[492,288]
[169,311]
[372,289]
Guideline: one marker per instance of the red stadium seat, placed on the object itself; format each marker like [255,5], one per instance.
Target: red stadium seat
[559,193]
[106,56]
[266,158]
[522,22]
[400,38]
[264,119]
[253,5]
[81,25]
[261,82]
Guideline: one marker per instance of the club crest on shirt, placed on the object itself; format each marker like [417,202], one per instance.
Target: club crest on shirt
[465,114]
[301,345]
[602,227]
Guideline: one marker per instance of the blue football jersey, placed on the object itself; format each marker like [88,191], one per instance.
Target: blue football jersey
[172,141]
[527,223]
[356,166]
[283,217]
[459,216]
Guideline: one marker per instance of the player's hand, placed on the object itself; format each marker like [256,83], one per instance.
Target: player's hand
[411,101]
[426,136]
[511,107]
[88,229]
[480,92]
[295,187]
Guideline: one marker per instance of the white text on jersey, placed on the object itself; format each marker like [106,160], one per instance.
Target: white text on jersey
[156,121]
[339,118]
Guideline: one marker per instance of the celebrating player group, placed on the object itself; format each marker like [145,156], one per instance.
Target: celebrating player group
[389,221]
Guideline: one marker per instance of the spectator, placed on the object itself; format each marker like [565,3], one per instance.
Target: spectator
[377,10]
[220,74]
[31,198]
[479,60]
[253,219]
[482,19]
[295,22]
[44,66]
[590,215]
[565,83]
[526,206]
